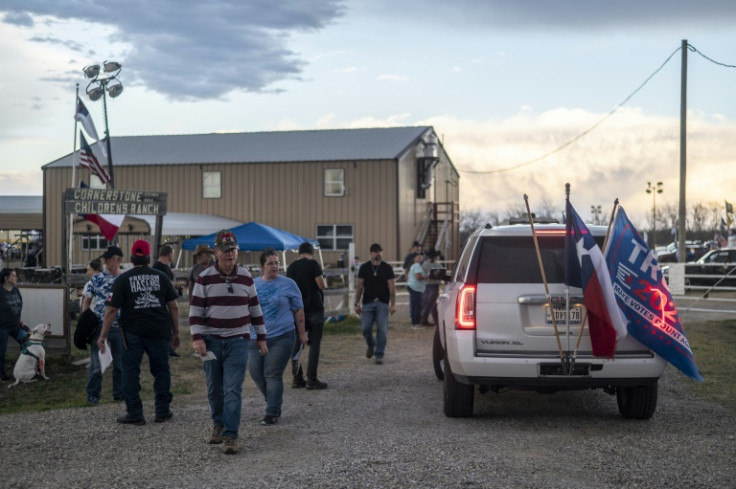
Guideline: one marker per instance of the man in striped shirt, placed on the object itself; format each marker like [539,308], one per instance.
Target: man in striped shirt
[223,306]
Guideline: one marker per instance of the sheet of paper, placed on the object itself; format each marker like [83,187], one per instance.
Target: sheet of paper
[208,356]
[105,358]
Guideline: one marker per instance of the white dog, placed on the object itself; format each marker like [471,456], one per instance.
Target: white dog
[33,357]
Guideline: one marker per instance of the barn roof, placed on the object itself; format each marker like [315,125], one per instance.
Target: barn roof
[262,147]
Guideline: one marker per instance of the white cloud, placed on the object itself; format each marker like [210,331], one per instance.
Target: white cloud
[186,49]
[392,78]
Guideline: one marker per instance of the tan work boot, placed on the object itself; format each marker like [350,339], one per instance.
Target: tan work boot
[216,437]
[230,445]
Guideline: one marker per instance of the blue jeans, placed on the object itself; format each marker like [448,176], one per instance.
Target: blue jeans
[94,377]
[158,361]
[314,325]
[225,376]
[415,305]
[18,333]
[268,371]
[375,312]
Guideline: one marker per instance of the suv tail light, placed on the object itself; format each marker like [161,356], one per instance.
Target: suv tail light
[465,311]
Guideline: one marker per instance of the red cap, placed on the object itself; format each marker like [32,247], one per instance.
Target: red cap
[141,248]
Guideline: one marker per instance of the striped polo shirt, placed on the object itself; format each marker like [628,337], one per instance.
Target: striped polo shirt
[225,305]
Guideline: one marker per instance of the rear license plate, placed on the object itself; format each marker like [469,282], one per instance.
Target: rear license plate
[576,315]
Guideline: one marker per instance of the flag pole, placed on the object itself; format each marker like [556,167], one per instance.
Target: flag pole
[73,185]
[585,316]
[544,280]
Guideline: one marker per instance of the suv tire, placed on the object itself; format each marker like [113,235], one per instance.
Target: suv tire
[637,402]
[438,355]
[458,399]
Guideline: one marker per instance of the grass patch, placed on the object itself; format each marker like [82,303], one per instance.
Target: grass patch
[713,344]
[349,325]
[66,387]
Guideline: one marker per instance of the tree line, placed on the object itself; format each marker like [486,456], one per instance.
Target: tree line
[703,219]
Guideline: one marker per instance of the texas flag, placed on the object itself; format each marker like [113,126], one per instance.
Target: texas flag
[586,268]
[108,223]
[644,297]
[85,119]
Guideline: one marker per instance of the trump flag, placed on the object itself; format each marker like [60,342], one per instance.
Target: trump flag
[585,267]
[644,298]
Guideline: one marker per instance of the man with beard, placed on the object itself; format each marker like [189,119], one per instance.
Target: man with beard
[376,285]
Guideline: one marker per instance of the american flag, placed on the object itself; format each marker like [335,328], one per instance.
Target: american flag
[88,159]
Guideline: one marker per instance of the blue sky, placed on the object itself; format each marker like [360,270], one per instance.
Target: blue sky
[502,82]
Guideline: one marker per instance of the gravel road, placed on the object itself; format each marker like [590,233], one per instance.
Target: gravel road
[381,426]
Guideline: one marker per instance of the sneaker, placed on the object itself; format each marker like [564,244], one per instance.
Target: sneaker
[216,437]
[315,384]
[128,419]
[230,445]
[379,360]
[369,352]
[92,400]
[416,326]
[268,420]
[298,383]
[160,418]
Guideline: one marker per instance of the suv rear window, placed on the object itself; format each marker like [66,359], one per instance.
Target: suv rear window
[513,259]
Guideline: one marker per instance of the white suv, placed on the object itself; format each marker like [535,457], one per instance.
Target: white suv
[496,327]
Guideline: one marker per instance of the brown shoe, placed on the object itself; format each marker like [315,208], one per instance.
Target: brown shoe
[230,445]
[216,437]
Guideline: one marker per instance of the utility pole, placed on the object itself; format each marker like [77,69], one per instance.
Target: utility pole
[681,226]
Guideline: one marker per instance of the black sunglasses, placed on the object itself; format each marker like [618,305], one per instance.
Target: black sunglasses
[229,285]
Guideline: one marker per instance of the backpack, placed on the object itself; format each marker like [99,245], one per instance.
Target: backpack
[88,326]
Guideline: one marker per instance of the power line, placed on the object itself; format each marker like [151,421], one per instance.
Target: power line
[694,49]
[584,133]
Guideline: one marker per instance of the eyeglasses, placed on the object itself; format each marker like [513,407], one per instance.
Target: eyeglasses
[229,285]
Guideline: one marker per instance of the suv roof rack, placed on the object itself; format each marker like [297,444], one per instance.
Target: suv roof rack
[537,220]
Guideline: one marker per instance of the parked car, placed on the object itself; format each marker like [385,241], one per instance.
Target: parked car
[496,329]
[715,267]
[693,251]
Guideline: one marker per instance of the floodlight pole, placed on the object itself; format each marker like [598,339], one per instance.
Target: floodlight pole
[107,135]
[681,226]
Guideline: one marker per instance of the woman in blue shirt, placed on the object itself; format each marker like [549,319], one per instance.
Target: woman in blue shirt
[282,306]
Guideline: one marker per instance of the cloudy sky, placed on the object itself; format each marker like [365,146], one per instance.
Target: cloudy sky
[504,83]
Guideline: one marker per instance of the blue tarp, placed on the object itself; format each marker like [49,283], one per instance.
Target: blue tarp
[254,236]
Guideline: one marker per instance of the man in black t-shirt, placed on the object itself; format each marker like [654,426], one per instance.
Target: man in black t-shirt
[149,317]
[376,285]
[163,264]
[308,276]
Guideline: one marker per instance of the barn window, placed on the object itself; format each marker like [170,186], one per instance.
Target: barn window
[94,243]
[334,182]
[211,184]
[334,236]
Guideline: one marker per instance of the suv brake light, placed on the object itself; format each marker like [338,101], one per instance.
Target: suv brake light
[465,312]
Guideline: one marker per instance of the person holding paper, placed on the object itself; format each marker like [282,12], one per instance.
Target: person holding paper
[281,302]
[95,297]
[224,305]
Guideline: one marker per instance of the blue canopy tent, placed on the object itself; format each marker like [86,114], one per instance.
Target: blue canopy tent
[254,236]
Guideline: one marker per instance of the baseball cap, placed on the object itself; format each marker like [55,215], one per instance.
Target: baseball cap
[141,248]
[112,251]
[376,247]
[226,241]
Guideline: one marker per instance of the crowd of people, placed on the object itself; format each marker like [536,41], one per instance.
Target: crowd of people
[237,323]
